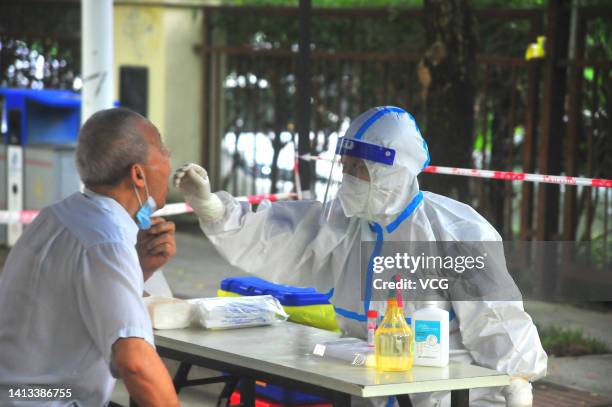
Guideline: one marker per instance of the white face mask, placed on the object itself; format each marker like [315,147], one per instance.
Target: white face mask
[385,197]
[353,195]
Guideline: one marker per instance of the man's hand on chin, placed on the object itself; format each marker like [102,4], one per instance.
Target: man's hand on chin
[156,245]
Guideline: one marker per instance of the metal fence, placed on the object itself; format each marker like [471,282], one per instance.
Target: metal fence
[549,115]
[251,96]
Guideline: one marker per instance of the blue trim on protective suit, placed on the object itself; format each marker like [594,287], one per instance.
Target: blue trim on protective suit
[368,123]
[415,122]
[375,227]
[362,318]
[410,208]
[364,127]
[428,159]
[427,151]
[390,228]
[375,253]
[368,288]
[350,314]
[390,401]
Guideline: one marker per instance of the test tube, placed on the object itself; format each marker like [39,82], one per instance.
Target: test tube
[372,324]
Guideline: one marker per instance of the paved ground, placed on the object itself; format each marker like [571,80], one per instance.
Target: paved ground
[199,396]
[552,395]
[595,324]
[592,373]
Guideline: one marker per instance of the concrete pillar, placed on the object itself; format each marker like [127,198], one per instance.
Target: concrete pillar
[97,56]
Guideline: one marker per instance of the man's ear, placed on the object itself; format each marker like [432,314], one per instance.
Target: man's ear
[137,175]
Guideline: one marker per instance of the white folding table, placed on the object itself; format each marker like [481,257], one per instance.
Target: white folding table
[282,354]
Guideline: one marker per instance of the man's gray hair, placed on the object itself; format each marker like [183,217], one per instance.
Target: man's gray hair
[108,145]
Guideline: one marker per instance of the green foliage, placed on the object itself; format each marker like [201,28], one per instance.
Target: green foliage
[37,64]
[570,342]
[39,45]
[385,3]
[332,3]
[388,34]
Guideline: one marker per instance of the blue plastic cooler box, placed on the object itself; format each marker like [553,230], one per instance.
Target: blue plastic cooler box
[288,296]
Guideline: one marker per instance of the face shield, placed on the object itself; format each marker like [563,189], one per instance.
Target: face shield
[348,186]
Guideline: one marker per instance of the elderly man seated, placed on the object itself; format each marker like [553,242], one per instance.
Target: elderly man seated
[72,316]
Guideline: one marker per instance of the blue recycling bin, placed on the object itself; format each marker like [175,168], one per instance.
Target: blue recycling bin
[35,117]
[39,134]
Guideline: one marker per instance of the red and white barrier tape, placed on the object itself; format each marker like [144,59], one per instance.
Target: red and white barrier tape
[308,157]
[11,217]
[181,208]
[521,176]
[27,216]
[503,175]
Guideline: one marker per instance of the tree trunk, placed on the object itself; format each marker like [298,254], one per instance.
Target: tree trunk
[303,106]
[501,145]
[448,74]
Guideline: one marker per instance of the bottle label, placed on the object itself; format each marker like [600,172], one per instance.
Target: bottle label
[427,339]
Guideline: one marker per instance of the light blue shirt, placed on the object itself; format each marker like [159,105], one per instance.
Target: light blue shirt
[71,286]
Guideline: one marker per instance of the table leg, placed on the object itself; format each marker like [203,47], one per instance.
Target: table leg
[181,376]
[460,398]
[247,392]
[226,393]
[403,400]
[341,400]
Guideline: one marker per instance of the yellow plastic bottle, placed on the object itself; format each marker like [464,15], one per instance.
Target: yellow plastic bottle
[393,345]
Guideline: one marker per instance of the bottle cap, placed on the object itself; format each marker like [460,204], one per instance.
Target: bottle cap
[372,314]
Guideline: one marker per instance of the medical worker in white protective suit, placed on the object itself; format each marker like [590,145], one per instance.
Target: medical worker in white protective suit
[380,200]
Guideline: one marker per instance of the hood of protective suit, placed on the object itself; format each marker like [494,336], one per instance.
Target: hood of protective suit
[392,188]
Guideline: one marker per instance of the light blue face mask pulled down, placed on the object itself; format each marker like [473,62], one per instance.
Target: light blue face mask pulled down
[143,216]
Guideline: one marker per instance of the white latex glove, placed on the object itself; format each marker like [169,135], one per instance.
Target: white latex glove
[193,182]
[518,393]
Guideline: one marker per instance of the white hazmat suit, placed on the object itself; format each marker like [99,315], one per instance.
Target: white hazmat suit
[285,242]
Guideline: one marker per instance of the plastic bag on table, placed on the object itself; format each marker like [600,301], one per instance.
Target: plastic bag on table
[238,312]
[318,315]
[168,312]
[352,350]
